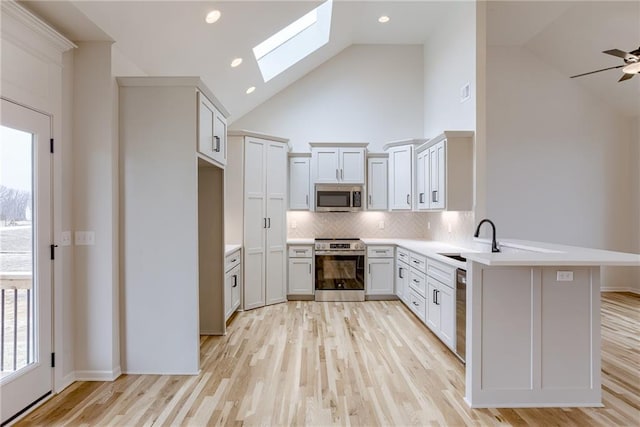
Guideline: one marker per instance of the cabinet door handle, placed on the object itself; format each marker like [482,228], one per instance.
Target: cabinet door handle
[269,222]
[309,268]
[306,198]
[337,177]
[437,292]
[416,281]
[433,296]
[342,173]
[369,268]
[216,148]
[421,197]
[408,199]
[400,273]
[235,281]
[369,199]
[234,260]
[434,196]
[264,220]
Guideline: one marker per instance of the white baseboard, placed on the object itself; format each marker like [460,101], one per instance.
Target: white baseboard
[98,375]
[66,381]
[620,289]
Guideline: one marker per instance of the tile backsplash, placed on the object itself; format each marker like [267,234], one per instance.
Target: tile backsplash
[452,227]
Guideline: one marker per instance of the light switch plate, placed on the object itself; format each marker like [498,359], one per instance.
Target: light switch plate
[564,276]
[85,238]
[65,238]
[381,225]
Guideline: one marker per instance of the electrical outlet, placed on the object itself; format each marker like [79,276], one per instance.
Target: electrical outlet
[449,228]
[428,225]
[294,224]
[564,276]
[381,225]
[65,238]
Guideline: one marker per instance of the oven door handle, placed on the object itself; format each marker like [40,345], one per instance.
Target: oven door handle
[340,253]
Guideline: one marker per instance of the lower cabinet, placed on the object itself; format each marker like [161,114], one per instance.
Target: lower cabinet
[380,271]
[300,270]
[232,284]
[402,281]
[441,306]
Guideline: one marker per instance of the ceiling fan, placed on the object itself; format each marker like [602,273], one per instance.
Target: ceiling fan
[630,67]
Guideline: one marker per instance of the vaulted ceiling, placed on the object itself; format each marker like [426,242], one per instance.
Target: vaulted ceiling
[172,38]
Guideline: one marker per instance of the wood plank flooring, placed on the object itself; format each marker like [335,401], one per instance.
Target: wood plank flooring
[310,363]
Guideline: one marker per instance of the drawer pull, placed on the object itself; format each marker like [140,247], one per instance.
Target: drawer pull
[415,303]
[416,281]
[234,260]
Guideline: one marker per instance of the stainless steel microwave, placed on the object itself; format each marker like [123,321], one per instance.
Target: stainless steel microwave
[338,198]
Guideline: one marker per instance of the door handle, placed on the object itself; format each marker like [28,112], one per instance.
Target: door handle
[217,146]
[369,268]
[309,268]
[264,225]
[434,196]
[400,273]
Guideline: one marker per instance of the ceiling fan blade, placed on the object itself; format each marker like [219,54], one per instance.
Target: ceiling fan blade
[625,76]
[616,52]
[597,71]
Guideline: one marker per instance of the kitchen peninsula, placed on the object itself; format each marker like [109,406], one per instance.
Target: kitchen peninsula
[533,320]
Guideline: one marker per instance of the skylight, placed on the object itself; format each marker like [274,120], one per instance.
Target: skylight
[294,42]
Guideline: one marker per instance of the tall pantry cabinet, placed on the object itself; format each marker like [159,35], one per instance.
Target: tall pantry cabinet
[172,229]
[255,214]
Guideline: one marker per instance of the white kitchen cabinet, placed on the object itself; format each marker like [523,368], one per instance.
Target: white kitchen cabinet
[212,131]
[338,163]
[256,196]
[441,301]
[299,182]
[422,180]
[437,182]
[402,274]
[377,182]
[380,271]
[168,189]
[233,283]
[445,171]
[300,271]
[402,173]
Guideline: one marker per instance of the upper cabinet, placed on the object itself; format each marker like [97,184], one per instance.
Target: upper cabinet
[377,182]
[444,172]
[402,174]
[333,163]
[212,131]
[299,181]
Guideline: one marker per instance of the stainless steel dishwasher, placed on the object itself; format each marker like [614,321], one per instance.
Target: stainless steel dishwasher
[461,313]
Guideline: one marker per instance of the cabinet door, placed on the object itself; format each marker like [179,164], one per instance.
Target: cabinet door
[206,119]
[400,177]
[447,303]
[380,276]
[325,165]
[300,276]
[422,180]
[219,138]
[351,165]
[437,176]
[276,259]
[299,180]
[254,223]
[228,284]
[377,184]
[433,310]
[402,281]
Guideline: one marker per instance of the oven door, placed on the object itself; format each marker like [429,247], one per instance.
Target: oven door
[337,271]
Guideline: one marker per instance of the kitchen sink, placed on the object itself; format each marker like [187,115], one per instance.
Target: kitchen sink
[457,257]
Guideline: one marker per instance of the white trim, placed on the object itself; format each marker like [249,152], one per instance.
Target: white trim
[37,25]
[620,289]
[98,375]
[65,382]
[161,373]
[535,405]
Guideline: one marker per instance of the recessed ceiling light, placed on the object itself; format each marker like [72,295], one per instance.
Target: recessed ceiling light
[213,16]
[251,89]
[383,19]
[236,62]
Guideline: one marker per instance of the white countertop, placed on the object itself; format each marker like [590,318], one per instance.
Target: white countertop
[514,253]
[231,248]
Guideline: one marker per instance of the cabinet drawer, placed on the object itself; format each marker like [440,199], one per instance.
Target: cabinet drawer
[418,282]
[402,255]
[380,251]
[232,260]
[419,262]
[417,304]
[300,251]
[441,271]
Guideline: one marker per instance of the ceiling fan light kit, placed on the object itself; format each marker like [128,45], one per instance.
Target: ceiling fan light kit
[630,67]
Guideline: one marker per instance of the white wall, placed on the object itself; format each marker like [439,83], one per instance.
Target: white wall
[449,63]
[366,93]
[558,160]
[95,175]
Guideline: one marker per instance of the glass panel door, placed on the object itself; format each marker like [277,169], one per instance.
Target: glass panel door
[25,265]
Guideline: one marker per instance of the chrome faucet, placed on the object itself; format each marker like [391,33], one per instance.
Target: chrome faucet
[494,244]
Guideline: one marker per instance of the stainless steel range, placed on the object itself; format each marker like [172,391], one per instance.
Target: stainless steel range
[339,269]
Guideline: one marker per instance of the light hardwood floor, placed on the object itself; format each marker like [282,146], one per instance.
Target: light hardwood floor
[309,363]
